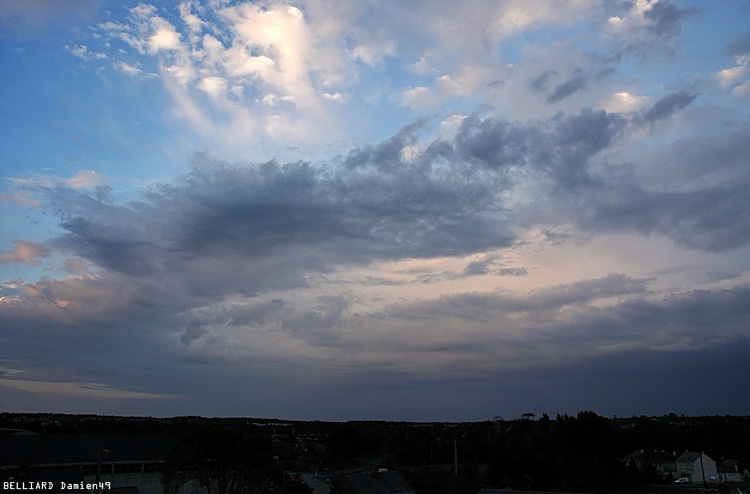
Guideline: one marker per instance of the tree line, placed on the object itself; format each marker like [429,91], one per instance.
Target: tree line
[581,453]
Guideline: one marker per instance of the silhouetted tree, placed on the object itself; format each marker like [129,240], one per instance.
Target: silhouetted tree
[221,460]
[345,441]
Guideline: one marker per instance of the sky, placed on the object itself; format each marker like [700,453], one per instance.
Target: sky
[356,209]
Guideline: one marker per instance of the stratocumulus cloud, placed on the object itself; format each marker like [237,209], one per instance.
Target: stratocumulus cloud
[319,210]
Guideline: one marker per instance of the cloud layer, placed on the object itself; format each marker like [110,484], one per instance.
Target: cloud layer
[539,194]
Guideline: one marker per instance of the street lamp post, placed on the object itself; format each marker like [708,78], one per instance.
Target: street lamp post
[99,467]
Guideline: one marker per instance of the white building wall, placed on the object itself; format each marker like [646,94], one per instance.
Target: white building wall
[693,470]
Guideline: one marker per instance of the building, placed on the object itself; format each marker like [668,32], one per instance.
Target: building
[698,467]
[663,463]
[732,472]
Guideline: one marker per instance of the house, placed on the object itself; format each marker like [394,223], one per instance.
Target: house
[661,462]
[698,467]
[731,471]
[381,482]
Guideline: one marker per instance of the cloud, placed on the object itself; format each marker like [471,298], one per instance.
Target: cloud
[26,253]
[374,54]
[486,334]
[538,304]
[624,101]
[470,333]
[222,229]
[70,389]
[555,199]
[20,199]
[575,83]
[23,18]
[301,81]
[709,219]
[259,264]
[732,78]
[742,90]
[648,29]
[82,52]
[728,76]
[539,83]
[83,179]
[75,266]
[584,291]
[263,67]
[298,211]
[491,265]
[128,69]
[481,24]
[658,17]
[665,19]
[668,106]
[740,47]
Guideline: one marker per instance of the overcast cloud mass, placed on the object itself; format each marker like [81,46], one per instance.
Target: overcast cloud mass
[375,210]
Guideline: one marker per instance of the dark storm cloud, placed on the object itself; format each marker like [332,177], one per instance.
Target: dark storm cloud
[490,266]
[249,229]
[634,382]
[576,82]
[707,211]
[701,314]
[94,329]
[231,228]
[478,267]
[228,228]
[238,223]
[706,157]
[666,18]
[246,230]
[560,147]
[165,265]
[696,320]
[712,218]
[668,106]
[539,83]
[587,290]
[328,313]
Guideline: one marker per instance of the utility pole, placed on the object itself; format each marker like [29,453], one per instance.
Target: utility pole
[455,458]
[99,467]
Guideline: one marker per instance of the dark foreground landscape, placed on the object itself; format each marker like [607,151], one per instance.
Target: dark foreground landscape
[181,455]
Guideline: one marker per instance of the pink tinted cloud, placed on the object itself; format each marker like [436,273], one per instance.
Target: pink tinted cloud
[26,253]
